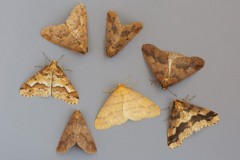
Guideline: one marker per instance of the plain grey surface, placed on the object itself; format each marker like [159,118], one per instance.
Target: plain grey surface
[31,127]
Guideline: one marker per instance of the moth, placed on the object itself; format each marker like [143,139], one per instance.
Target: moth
[50,81]
[185,119]
[170,68]
[73,34]
[77,133]
[118,35]
[124,104]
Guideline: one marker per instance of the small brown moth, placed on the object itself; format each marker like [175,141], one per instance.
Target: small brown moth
[51,80]
[73,34]
[185,119]
[77,133]
[124,104]
[118,35]
[169,67]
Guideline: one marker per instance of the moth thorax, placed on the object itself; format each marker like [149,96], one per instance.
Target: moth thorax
[178,106]
[77,114]
[53,65]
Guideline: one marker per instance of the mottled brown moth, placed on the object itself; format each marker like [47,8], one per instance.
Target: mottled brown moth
[118,35]
[77,133]
[168,67]
[73,34]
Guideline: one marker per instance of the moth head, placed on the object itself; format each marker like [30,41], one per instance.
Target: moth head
[77,114]
[165,83]
[53,65]
[178,105]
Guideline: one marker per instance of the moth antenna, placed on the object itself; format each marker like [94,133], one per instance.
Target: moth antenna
[69,70]
[192,98]
[46,57]
[109,90]
[187,99]
[172,93]
[39,66]
[59,59]
[127,80]
[131,84]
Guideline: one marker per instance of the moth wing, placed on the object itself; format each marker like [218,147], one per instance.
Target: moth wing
[157,61]
[73,34]
[76,132]
[137,107]
[38,85]
[57,34]
[118,35]
[113,32]
[183,67]
[111,113]
[77,20]
[62,88]
[128,32]
[78,25]
[84,139]
[68,138]
[185,119]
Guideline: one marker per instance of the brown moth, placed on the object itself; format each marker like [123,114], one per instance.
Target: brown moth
[169,67]
[124,104]
[185,119]
[73,34]
[50,81]
[77,133]
[118,35]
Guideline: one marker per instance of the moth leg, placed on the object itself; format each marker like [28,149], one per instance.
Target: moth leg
[154,81]
[172,93]
[169,107]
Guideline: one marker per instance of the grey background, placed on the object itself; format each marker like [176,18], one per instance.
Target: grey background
[31,127]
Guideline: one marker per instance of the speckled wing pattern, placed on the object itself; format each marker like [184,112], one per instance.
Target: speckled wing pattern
[77,133]
[73,34]
[124,104]
[185,119]
[118,35]
[169,67]
[51,80]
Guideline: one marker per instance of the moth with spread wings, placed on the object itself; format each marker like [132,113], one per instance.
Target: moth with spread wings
[125,104]
[50,81]
[119,35]
[186,119]
[169,67]
[73,34]
[77,133]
